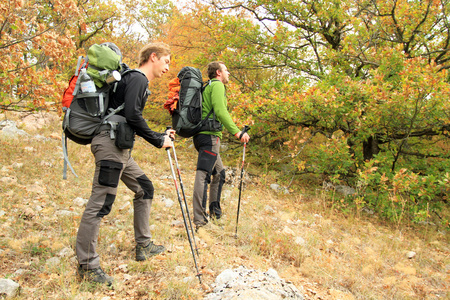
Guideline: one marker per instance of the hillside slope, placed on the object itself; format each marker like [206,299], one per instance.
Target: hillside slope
[323,253]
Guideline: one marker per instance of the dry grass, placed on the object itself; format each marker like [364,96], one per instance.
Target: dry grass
[327,255]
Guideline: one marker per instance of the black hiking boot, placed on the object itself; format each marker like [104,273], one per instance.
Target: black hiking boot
[144,253]
[214,210]
[96,275]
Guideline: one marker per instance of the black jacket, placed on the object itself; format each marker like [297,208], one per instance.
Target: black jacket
[133,90]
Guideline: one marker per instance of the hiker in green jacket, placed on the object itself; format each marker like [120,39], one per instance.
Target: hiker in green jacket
[210,170]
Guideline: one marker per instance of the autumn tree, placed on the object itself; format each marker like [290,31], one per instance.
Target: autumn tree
[34,42]
[38,46]
[357,90]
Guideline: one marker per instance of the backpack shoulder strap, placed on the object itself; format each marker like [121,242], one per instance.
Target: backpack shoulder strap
[205,84]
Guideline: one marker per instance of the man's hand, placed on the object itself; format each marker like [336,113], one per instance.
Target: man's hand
[245,137]
[167,142]
[171,133]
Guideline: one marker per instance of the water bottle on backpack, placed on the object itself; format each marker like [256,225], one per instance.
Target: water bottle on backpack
[88,94]
[86,83]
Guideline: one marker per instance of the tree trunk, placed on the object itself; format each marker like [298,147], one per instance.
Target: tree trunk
[370,148]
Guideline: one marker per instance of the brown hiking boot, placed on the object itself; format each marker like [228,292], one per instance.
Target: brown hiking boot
[144,253]
[96,275]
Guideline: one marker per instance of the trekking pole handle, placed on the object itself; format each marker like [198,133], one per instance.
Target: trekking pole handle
[167,128]
[244,130]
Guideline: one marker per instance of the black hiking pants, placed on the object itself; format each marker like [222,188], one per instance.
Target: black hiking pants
[210,172]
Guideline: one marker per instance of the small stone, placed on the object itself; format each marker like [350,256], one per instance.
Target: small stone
[127,277]
[123,268]
[181,270]
[177,223]
[17,165]
[274,186]
[112,249]
[66,213]
[225,276]
[168,203]
[8,180]
[411,254]
[288,231]
[125,205]
[268,208]
[345,190]
[53,261]
[66,252]
[28,213]
[80,201]
[36,188]
[9,288]
[299,241]
[272,273]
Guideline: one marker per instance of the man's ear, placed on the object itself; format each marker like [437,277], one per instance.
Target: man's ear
[153,57]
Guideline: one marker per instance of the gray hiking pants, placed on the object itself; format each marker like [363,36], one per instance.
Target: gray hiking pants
[111,165]
[209,164]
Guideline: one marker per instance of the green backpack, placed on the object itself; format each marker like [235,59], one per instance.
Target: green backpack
[103,59]
[85,106]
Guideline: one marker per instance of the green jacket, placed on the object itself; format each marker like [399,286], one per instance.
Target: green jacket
[214,97]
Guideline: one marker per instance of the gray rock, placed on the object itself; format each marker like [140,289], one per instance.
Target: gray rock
[274,186]
[181,270]
[9,129]
[168,203]
[243,283]
[66,252]
[19,272]
[66,213]
[9,180]
[177,223]
[225,276]
[127,277]
[53,261]
[299,241]
[78,201]
[17,165]
[112,249]
[9,288]
[278,188]
[345,190]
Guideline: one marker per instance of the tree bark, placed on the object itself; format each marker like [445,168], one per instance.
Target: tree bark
[370,148]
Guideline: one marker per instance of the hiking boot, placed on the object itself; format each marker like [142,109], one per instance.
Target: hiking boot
[96,275]
[214,210]
[144,253]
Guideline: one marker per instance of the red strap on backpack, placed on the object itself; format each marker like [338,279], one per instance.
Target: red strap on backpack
[70,91]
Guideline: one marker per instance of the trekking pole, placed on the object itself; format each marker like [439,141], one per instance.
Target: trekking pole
[184,216]
[246,128]
[184,197]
